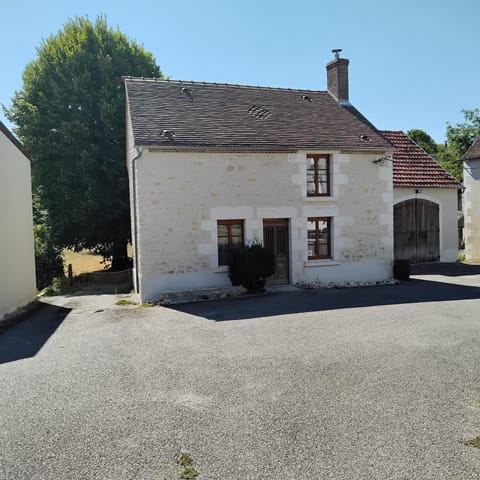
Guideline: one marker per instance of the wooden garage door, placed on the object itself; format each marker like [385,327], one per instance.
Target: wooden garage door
[416,231]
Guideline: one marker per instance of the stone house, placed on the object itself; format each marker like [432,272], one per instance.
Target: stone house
[471,202]
[17,259]
[214,165]
[425,204]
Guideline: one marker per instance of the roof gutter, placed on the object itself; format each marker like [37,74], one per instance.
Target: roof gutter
[135,215]
[342,150]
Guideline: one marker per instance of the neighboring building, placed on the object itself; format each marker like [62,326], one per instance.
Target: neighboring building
[425,199]
[471,202]
[17,260]
[214,165]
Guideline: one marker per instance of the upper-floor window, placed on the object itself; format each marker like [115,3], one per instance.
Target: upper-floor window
[229,235]
[319,238]
[318,175]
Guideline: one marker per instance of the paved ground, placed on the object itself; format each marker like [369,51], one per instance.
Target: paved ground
[366,383]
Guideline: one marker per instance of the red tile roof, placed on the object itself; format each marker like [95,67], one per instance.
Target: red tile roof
[473,152]
[413,167]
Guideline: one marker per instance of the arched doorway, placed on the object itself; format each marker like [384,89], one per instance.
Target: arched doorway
[416,231]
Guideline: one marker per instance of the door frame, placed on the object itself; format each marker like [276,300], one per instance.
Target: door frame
[285,222]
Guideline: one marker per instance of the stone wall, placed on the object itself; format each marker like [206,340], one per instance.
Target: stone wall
[181,195]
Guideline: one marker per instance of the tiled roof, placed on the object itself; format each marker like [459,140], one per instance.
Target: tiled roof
[167,113]
[12,138]
[413,167]
[473,152]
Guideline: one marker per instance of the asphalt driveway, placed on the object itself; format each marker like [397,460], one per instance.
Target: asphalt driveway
[365,383]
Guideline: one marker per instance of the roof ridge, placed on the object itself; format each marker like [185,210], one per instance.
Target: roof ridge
[217,84]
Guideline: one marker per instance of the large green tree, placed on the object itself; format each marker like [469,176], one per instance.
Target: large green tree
[70,114]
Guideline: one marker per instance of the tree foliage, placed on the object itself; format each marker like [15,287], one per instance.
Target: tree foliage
[48,257]
[423,140]
[70,114]
[459,139]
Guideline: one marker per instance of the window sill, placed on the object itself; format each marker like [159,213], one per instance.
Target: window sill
[319,199]
[327,262]
[222,269]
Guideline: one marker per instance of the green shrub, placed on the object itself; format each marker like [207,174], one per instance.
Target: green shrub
[250,266]
[48,256]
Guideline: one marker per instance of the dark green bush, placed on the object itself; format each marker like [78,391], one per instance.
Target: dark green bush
[48,256]
[250,266]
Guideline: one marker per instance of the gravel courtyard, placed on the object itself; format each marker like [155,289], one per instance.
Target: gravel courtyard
[365,383]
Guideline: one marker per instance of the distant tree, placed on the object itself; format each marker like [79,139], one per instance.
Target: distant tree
[459,139]
[423,140]
[70,115]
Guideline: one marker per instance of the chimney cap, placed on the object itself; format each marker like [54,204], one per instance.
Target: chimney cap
[336,52]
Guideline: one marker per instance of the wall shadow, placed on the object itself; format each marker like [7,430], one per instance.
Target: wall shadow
[301,301]
[455,269]
[25,338]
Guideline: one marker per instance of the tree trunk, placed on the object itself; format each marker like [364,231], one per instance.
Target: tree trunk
[120,260]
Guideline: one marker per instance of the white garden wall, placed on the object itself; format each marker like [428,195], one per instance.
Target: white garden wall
[17,261]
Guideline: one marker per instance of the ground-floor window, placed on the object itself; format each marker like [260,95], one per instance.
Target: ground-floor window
[319,237]
[230,234]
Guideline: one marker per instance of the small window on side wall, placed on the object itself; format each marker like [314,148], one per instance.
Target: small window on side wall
[229,235]
[318,175]
[319,238]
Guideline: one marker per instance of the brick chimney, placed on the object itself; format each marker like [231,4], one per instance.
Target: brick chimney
[337,77]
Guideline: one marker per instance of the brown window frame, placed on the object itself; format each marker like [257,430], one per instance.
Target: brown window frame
[229,224]
[317,255]
[316,182]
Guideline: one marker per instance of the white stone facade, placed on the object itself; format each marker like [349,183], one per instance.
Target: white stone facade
[17,261]
[178,197]
[471,206]
[447,200]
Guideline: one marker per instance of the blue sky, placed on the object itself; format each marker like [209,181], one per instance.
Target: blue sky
[413,64]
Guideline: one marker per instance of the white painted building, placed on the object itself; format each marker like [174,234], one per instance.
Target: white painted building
[212,165]
[471,202]
[17,260]
[425,209]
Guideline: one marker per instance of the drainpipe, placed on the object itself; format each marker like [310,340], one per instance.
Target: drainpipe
[134,219]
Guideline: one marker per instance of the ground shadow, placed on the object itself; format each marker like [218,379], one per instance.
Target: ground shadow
[25,338]
[454,269]
[300,301]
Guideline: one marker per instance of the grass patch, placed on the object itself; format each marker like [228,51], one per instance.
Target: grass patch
[146,305]
[82,262]
[86,261]
[188,470]
[124,301]
[474,442]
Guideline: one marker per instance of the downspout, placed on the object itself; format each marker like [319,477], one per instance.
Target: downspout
[135,230]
